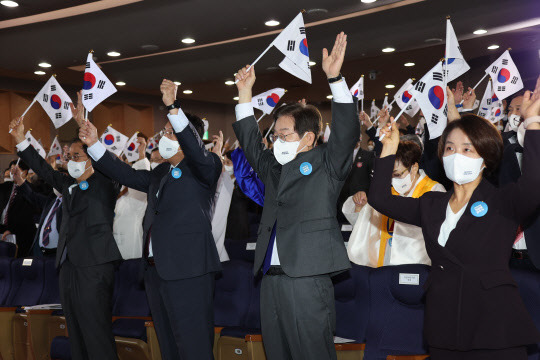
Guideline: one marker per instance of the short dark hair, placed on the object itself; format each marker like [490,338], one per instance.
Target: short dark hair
[228,154]
[307,118]
[79,141]
[154,149]
[140,134]
[22,165]
[197,123]
[485,137]
[408,153]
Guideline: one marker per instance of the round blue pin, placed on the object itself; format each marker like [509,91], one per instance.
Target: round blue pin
[83,185]
[479,209]
[306,168]
[176,173]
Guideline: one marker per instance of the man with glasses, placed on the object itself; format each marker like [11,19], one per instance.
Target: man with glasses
[86,252]
[179,255]
[300,245]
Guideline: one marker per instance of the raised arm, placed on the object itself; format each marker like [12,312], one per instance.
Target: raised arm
[404,209]
[31,157]
[109,164]
[246,127]
[205,165]
[246,178]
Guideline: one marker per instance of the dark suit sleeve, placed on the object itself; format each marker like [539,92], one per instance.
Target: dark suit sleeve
[250,139]
[121,172]
[344,134]
[400,208]
[205,165]
[372,133]
[524,195]
[52,177]
[411,130]
[34,197]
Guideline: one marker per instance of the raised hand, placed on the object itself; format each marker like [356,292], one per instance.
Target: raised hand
[168,90]
[17,175]
[78,111]
[142,147]
[245,78]
[531,106]
[457,93]
[218,143]
[303,102]
[364,119]
[16,129]
[453,113]
[469,98]
[331,64]
[390,140]
[360,199]
[383,116]
[88,134]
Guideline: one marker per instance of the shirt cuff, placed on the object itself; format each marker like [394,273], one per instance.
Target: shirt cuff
[178,121]
[341,93]
[96,151]
[23,145]
[243,111]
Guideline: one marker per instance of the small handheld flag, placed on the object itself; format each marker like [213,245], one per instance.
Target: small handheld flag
[56,103]
[96,86]
[32,140]
[454,64]
[505,76]
[267,101]
[113,140]
[132,147]
[55,149]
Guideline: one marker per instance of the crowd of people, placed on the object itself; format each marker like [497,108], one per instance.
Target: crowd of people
[465,203]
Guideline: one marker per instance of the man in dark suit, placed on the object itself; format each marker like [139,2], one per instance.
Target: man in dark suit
[17,213]
[50,221]
[300,244]
[86,252]
[180,254]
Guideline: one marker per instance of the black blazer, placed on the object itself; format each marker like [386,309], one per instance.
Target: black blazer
[178,217]
[472,301]
[87,215]
[44,203]
[309,239]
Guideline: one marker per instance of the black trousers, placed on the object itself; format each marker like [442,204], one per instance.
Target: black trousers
[86,295]
[516,353]
[183,315]
[298,317]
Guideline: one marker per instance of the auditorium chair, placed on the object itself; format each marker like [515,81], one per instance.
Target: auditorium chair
[27,278]
[60,348]
[231,297]
[241,249]
[8,249]
[5,279]
[395,326]
[529,287]
[351,291]
[30,329]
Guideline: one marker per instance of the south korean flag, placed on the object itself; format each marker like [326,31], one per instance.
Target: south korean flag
[114,141]
[56,103]
[152,144]
[505,76]
[403,99]
[267,101]
[96,86]
[431,97]
[374,110]
[132,147]
[456,65]
[32,140]
[56,149]
[357,90]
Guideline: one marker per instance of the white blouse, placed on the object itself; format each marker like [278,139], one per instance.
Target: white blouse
[449,223]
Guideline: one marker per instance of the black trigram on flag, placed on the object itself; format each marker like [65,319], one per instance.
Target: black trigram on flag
[459,48]
[420,86]
[505,61]
[514,80]
[494,69]
[88,96]
[445,112]
[58,115]
[488,101]
[88,65]
[291,45]
[101,84]
[118,138]
[437,76]
[302,30]
[434,119]
[45,97]
[66,105]
[53,87]
[260,101]
[501,88]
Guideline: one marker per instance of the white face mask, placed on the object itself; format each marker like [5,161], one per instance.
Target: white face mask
[76,169]
[229,169]
[168,148]
[370,147]
[285,151]
[462,169]
[513,121]
[153,165]
[57,193]
[521,134]
[402,185]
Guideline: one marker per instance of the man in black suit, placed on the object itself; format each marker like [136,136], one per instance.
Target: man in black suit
[86,252]
[48,231]
[180,254]
[300,244]
[17,213]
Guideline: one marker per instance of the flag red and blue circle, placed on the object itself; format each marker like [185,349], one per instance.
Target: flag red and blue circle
[151,146]
[56,102]
[436,97]
[109,139]
[89,81]
[304,47]
[504,75]
[406,97]
[498,112]
[494,98]
[355,93]
[450,60]
[272,99]
[131,147]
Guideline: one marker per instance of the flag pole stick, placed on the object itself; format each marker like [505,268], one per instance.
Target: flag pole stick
[377,119]
[25,111]
[269,130]
[257,59]
[259,119]
[446,56]
[362,104]
[398,116]
[475,86]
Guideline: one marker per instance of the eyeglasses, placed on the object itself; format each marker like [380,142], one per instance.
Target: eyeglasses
[75,157]
[401,175]
[281,137]
[166,132]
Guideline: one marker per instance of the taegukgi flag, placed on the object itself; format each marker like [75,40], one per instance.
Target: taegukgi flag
[96,86]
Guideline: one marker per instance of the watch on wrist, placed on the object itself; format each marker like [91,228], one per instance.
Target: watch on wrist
[335,79]
[174,105]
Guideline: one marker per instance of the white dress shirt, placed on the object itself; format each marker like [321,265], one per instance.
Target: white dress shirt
[53,235]
[449,223]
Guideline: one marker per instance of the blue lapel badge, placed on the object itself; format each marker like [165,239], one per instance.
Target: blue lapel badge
[176,173]
[306,168]
[83,185]
[479,209]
